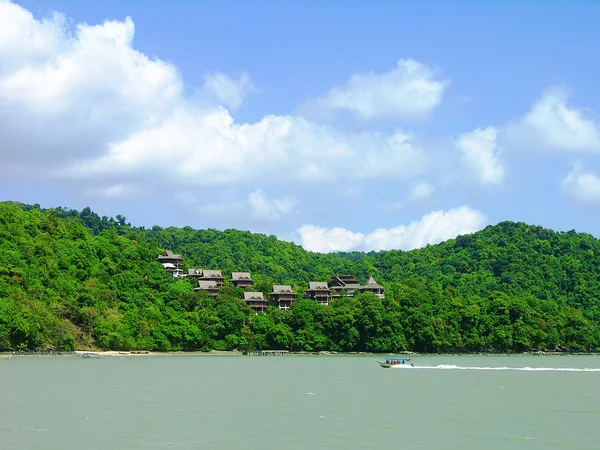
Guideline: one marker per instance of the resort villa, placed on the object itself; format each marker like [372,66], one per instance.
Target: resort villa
[319,292]
[241,279]
[256,301]
[282,296]
[171,262]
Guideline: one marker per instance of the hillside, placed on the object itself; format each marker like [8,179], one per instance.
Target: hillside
[72,279]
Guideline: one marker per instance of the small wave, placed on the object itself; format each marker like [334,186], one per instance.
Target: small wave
[522,369]
[26,430]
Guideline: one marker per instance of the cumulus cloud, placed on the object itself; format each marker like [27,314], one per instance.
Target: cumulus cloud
[409,91]
[211,149]
[433,228]
[226,90]
[325,240]
[582,186]
[82,104]
[480,153]
[65,92]
[553,125]
[264,207]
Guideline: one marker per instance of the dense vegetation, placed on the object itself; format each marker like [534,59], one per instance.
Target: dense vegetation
[72,279]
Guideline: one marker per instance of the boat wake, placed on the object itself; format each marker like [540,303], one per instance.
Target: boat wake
[521,369]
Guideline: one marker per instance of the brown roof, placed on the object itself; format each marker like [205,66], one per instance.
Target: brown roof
[195,271]
[372,284]
[343,280]
[282,289]
[241,276]
[318,286]
[253,296]
[204,284]
[211,273]
[347,286]
[346,278]
[168,254]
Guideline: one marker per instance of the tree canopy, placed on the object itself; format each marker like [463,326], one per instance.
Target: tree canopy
[73,280]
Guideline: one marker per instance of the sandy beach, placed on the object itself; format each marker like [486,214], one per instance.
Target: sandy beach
[148,353]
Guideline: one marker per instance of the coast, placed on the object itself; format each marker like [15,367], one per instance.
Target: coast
[136,353]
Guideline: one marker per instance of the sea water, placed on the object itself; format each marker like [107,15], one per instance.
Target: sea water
[299,402]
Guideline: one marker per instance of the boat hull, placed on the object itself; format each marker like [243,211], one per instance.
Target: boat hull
[386,365]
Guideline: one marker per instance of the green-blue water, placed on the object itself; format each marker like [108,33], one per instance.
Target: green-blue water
[298,402]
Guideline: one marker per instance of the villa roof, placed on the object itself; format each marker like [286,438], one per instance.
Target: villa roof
[343,280]
[347,286]
[282,289]
[253,296]
[241,276]
[205,284]
[372,284]
[318,286]
[211,273]
[168,254]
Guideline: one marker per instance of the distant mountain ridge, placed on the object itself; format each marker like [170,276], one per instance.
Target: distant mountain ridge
[72,279]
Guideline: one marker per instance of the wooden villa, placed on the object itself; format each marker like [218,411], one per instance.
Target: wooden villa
[194,273]
[211,287]
[319,292]
[374,287]
[282,296]
[171,262]
[241,279]
[256,301]
[343,283]
[206,275]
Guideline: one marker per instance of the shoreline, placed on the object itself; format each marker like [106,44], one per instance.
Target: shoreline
[136,353]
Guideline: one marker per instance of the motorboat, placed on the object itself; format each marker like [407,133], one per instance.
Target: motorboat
[396,362]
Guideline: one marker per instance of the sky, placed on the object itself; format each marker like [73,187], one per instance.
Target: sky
[356,125]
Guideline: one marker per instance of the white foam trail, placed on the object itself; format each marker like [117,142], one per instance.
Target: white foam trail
[523,369]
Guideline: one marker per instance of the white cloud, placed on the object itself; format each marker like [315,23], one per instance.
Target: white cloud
[553,125]
[211,149]
[582,186]
[83,104]
[480,153]
[433,228]
[409,91]
[324,240]
[266,208]
[228,91]
[419,192]
[65,92]
[256,205]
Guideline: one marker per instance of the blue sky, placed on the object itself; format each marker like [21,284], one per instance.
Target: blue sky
[339,125]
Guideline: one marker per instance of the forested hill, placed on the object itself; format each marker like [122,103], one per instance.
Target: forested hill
[72,279]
